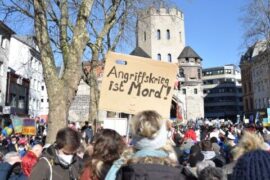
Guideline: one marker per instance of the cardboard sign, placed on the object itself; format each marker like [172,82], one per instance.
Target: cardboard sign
[29,127]
[132,84]
[17,124]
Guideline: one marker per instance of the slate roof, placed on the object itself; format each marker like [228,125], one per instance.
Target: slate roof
[139,52]
[188,52]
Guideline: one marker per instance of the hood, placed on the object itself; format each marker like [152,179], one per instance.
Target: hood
[208,155]
[50,153]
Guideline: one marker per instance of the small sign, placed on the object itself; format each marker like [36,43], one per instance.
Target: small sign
[29,127]
[120,125]
[17,124]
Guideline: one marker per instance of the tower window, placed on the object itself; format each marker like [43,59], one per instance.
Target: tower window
[169,57]
[195,91]
[158,35]
[180,36]
[159,56]
[184,91]
[144,36]
[168,34]
[199,73]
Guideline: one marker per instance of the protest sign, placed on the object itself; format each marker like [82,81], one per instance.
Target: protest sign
[266,121]
[132,84]
[17,124]
[29,127]
[120,125]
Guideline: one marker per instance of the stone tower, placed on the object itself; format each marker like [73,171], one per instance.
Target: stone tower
[190,79]
[160,34]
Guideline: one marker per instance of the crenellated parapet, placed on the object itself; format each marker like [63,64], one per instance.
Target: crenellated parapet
[161,11]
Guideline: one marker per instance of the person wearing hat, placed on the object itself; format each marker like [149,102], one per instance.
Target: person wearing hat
[252,165]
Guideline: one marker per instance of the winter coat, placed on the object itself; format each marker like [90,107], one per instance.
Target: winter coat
[228,169]
[216,158]
[4,168]
[41,170]
[11,172]
[28,162]
[149,172]
[190,134]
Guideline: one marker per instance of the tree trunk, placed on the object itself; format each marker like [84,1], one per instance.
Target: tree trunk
[57,117]
[94,92]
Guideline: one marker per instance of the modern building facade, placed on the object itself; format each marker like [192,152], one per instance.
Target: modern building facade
[256,64]
[161,36]
[222,89]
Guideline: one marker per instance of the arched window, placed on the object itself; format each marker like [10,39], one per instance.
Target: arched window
[159,56]
[158,35]
[144,36]
[168,34]
[169,57]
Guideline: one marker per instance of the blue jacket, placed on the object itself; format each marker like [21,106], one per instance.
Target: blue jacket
[5,170]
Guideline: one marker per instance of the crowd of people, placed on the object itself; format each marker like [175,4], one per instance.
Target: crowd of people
[155,149]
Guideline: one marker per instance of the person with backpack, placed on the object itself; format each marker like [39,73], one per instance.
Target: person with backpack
[59,161]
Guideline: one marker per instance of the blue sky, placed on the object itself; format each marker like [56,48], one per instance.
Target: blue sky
[214,29]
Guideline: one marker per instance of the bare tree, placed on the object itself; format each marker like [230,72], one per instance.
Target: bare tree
[111,22]
[256,21]
[57,29]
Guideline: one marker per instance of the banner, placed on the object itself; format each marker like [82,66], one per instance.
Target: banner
[29,127]
[132,84]
[266,121]
[17,124]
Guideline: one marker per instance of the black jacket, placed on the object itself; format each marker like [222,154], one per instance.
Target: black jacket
[41,170]
[149,172]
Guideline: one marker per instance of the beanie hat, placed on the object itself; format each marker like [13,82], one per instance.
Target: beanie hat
[252,165]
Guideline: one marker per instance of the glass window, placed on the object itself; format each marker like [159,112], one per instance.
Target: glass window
[13,100]
[158,56]
[168,34]
[199,73]
[195,91]
[169,57]
[144,36]
[184,91]
[158,35]
[21,103]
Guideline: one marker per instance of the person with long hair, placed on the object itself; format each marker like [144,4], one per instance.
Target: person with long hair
[108,146]
[152,154]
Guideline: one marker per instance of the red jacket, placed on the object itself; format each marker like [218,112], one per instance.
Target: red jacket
[190,134]
[28,162]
